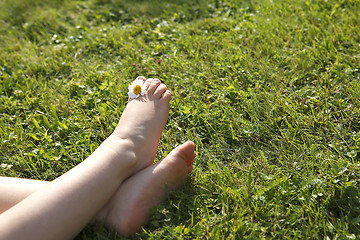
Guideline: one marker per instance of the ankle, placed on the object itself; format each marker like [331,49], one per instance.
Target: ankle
[123,149]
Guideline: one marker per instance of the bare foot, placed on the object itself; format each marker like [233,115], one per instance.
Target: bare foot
[129,207]
[143,121]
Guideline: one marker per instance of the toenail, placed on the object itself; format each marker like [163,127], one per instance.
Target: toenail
[141,78]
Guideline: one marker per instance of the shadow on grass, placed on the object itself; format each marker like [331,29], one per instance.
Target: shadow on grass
[345,204]
[18,12]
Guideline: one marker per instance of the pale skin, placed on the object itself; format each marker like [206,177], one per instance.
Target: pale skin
[109,185]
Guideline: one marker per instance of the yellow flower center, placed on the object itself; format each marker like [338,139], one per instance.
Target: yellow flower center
[137,89]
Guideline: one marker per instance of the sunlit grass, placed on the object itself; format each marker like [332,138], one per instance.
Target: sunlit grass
[268,91]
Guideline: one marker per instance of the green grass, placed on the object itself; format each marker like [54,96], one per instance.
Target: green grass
[268,90]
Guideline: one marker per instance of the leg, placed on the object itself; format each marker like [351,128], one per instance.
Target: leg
[14,190]
[129,208]
[80,193]
[45,214]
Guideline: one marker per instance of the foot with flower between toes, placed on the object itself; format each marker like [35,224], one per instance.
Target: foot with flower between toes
[118,183]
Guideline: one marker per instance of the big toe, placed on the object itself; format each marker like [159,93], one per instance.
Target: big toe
[186,151]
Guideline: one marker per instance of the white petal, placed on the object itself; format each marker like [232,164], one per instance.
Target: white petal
[137,82]
[132,95]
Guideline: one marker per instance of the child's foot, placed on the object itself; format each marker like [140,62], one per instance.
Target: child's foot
[143,121]
[129,207]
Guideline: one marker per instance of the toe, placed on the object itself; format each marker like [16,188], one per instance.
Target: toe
[186,151]
[153,86]
[189,166]
[190,161]
[160,90]
[147,83]
[141,77]
[167,95]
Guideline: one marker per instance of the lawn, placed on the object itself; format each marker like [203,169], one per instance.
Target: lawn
[269,91]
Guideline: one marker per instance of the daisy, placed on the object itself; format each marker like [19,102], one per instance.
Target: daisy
[136,88]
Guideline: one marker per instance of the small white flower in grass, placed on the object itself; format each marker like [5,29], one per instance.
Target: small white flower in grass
[136,88]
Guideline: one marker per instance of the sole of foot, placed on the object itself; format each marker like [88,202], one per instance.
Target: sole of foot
[143,121]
